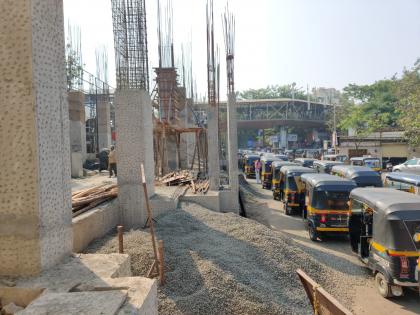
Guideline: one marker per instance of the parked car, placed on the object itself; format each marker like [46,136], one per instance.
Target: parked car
[409,166]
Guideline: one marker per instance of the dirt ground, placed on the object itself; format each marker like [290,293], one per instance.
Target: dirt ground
[334,252]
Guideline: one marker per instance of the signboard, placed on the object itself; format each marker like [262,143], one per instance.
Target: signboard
[250,143]
[292,137]
[274,139]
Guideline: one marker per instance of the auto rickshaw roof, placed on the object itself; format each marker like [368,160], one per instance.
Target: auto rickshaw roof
[405,178]
[269,158]
[386,201]
[327,181]
[326,162]
[362,158]
[305,159]
[247,156]
[281,163]
[296,169]
[352,171]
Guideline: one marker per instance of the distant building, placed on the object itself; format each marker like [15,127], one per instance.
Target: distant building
[326,95]
[387,145]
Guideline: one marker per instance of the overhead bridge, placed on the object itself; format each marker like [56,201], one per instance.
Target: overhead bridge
[268,113]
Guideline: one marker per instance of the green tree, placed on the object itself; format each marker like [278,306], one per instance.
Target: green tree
[409,104]
[274,91]
[74,68]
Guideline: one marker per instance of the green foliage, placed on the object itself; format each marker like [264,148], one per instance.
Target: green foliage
[273,91]
[74,68]
[409,104]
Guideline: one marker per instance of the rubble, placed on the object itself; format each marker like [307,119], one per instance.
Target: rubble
[220,263]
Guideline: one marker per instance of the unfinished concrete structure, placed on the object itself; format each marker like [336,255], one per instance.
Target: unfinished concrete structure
[134,124]
[77,132]
[35,212]
[103,114]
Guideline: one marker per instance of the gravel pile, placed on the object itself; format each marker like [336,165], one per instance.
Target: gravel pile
[225,264]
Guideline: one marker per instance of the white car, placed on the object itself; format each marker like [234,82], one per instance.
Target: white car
[409,166]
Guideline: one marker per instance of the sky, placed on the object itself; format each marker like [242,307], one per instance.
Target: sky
[320,43]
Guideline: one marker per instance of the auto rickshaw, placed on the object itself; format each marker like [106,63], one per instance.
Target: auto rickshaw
[266,176]
[384,229]
[361,175]
[326,204]
[305,162]
[336,157]
[249,168]
[403,181]
[275,174]
[368,161]
[323,166]
[292,191]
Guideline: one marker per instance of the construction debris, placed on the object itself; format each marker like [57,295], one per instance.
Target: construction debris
[87,199]
[186,177]
[221,263]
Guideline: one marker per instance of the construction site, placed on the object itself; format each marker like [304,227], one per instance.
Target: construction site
[179,228]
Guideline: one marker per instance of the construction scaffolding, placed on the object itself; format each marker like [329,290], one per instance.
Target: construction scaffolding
[130,42]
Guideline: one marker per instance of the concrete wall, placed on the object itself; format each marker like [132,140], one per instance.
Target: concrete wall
[94,224]
[35,207]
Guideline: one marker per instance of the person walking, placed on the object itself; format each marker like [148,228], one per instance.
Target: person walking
[112,162]
[257,165]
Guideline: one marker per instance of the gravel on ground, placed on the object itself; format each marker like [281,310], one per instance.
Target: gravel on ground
[221,263]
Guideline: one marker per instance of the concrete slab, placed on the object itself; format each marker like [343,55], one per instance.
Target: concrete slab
[142,293]
[105,303]
[78,269]
[209,200]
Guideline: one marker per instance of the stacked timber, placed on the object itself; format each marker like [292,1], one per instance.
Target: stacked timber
[178,178]
[87,199]
[187,180]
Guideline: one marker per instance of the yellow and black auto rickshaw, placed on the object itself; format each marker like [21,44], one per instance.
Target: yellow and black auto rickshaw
[384,228]
[275,174]
[326,204]
[249,167]
[323,166]
[368,161]
[403,181]
[361,175]
[292,191]
[266,175]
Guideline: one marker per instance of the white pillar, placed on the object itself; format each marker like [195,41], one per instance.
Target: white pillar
[35,206]
[104,122]
[134,145]
[232,135]
[213,147]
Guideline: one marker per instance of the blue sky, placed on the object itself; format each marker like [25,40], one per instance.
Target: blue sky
[328,43]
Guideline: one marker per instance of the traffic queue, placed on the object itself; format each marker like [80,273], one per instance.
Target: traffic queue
[380,217]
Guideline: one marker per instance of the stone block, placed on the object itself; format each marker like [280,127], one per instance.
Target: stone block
[94,224]
[92,303]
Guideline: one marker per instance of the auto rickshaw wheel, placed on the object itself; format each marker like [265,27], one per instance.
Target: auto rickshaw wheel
[382,285]
[287,209]
[313,234]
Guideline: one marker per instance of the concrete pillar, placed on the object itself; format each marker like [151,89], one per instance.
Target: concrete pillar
[232,145]
[104,122]
[77,132]
[283,137]
[35,197]
[213,147]
[134,145]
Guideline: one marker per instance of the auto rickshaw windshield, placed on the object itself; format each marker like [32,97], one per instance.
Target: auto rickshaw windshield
[291,183]
[330,200]
[276,173]
[372,163]
[250,161]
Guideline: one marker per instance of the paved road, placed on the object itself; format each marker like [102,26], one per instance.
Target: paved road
[366,299]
